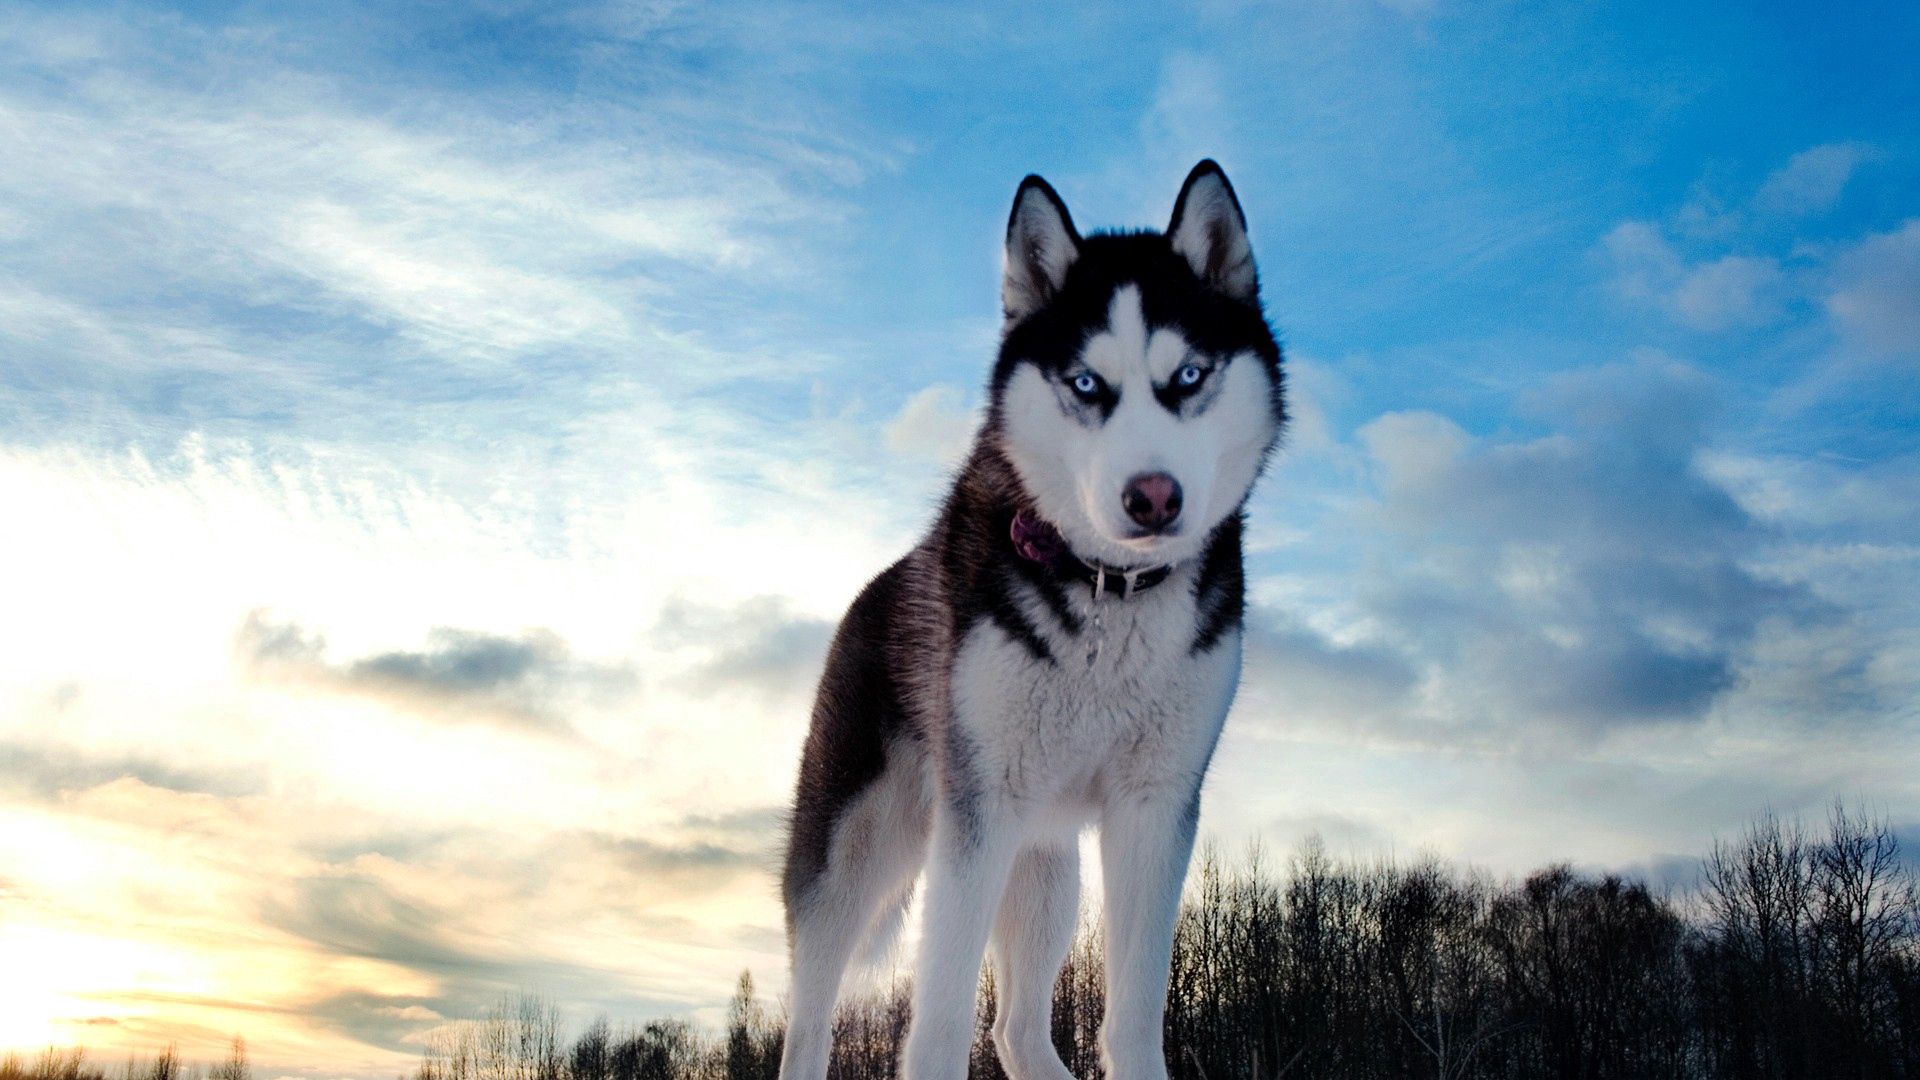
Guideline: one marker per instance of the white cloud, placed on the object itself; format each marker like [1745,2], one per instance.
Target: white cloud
[760,649]
[1734,290]
[1314,389]
[1574,582]
[1875,297]
[1740,290]
[1411,448]
[1189,117]
[935,424]
[1811,181]
[1728,292]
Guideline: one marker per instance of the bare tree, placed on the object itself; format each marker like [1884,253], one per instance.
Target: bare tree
[1863,899]
[166,1066]
[591,1057]
[752,1043]
[236,1066]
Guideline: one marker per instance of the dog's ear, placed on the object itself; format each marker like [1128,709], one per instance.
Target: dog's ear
[1041,245]
[1209,230]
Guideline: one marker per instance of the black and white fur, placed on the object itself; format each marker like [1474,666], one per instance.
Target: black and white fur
[967,723]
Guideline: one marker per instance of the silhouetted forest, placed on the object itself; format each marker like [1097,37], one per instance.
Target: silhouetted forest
[72,1064]
[1796,955]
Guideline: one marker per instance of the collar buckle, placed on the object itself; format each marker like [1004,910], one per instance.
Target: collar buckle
[1131,582]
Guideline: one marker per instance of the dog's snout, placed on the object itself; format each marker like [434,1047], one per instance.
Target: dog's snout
[1152,500]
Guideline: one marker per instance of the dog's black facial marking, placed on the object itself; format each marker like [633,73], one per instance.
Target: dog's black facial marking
[1086,398]
[1215,325]
[1089,387]
[1191,398]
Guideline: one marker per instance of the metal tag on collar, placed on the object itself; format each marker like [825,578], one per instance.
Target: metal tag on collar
[1096,628]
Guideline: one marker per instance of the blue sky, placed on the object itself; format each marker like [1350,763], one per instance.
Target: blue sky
[439,440]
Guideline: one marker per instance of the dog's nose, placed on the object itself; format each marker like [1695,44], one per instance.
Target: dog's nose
[1152,499]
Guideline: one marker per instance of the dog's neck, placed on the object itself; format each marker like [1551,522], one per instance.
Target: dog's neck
[1036,540]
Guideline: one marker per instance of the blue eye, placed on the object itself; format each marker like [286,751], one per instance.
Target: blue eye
[1086,384]
[1190,375]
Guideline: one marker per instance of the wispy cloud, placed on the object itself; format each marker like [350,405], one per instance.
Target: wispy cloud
[1875,295]
[526,681]
[935,424]
[1730,291]
[1812,180]
[46,772]
[235,259]
[761,647]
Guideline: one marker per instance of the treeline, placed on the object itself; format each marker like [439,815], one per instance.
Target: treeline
[71,1064]
[520,1039]
[1797,955]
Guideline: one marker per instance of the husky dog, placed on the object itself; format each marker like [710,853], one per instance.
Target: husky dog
[1059,652]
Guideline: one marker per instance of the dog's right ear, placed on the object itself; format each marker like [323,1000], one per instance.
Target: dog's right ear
[1210,229]
[1041,245]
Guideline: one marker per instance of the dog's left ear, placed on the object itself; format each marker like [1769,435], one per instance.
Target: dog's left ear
[1211,232]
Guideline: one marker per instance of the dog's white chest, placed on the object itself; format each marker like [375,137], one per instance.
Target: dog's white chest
[1069,730]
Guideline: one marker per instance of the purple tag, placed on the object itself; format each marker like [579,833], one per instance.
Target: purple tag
[1036,540]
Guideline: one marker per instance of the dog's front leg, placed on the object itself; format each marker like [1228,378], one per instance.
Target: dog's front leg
[1146,839]
[974,841]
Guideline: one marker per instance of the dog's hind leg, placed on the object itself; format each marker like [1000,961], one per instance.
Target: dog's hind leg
[1030,941]
[877,844]
[822,941]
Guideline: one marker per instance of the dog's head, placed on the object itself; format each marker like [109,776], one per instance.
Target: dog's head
[1138,389]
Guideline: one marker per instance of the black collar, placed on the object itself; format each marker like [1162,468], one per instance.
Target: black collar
[1038,541]
[1125,583]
